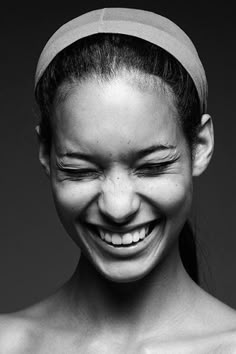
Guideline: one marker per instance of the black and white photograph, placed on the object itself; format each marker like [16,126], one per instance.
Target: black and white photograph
[118,181]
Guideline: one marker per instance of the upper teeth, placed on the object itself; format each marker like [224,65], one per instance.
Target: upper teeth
[125,238]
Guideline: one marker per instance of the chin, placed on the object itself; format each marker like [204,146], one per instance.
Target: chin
[127,271]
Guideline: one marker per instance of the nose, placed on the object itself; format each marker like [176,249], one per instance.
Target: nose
[118,201]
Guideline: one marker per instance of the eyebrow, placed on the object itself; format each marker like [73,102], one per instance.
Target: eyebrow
[138,154]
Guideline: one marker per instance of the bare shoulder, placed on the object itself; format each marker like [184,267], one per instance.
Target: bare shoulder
[17,335]
[208,327]
[214,325]
[31,329]
[23,331]
[228,343]
[220,343]
[213,314]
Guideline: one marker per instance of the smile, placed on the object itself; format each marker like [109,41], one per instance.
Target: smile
[125,239]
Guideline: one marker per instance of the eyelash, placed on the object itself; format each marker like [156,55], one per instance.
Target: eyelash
[152,170]
[80,174]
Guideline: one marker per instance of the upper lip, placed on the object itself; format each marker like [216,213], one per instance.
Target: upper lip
[121,229]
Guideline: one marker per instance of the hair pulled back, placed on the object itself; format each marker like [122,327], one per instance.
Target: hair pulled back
[103,56]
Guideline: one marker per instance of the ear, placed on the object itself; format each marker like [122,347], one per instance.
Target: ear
[44,156]
[204,146]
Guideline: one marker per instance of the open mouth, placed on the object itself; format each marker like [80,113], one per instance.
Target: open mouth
[118,239]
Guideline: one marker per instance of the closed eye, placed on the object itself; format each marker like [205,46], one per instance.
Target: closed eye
[80,174]
[153,169]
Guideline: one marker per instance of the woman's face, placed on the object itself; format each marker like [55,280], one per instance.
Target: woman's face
[121,175]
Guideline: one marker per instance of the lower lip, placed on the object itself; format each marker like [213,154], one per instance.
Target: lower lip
[133,248]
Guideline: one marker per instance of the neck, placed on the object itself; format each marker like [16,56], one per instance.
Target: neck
[141,306]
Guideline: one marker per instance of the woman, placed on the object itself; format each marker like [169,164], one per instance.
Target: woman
[123,131]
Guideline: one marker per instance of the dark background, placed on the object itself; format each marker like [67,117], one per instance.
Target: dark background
[36,255]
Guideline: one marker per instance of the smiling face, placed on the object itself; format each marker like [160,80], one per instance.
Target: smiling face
[121,176]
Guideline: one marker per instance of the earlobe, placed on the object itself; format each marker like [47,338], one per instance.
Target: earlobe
[44,157]
[204,146]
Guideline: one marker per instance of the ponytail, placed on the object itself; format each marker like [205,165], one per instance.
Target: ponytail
[188,251]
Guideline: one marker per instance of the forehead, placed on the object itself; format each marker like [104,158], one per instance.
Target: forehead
[114,115]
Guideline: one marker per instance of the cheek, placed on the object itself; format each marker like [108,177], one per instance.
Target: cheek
[171,195]
[72,199]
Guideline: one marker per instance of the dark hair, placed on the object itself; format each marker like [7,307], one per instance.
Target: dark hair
[102,56]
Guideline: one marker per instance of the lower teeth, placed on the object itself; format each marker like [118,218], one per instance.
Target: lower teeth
[124,245]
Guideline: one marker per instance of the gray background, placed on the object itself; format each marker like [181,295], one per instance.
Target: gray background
[36,256]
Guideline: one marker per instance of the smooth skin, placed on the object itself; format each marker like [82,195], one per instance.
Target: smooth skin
[119,160]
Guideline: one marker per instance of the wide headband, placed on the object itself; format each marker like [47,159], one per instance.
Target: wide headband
[146,25]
